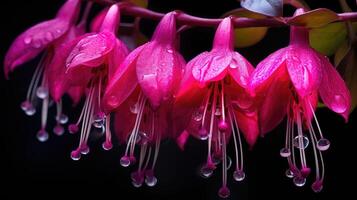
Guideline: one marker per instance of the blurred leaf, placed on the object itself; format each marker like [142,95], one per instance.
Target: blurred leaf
[140,3]
[272,8]
[348,68]
[329,38]
[314,18]
[341,52]
[245,37]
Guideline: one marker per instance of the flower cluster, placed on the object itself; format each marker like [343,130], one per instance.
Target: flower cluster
[152,93]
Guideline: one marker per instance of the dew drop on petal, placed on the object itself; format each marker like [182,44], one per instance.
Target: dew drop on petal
[170,51]
[304,142]
[28,40]
[42,92]
[299,181]
[339,104]
[42,135]
[238,175]
[285,152]
[36,44]
[323,144]
[49,36]
[58,130]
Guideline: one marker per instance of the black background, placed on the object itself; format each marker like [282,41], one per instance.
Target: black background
[45,170]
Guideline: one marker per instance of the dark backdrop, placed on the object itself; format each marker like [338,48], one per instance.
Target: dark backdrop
[45,170]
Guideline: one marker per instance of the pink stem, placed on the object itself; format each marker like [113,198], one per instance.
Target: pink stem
[186,19]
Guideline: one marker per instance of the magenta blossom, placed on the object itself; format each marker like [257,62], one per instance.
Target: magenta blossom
[92,59]
[48,37]
[213,103]
[288,82]
[141,93]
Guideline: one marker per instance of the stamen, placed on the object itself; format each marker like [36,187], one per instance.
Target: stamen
[224,191]
[107,145]
[322,144]
[213,108]
[203,134]
[42,135]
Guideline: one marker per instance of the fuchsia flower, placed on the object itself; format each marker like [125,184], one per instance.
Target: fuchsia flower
[141,93]
[46,36]
[213,103]
[91,61]
[288,82]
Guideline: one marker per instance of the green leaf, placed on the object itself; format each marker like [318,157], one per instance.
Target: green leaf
[245,37]
[329,38]
[140,3]
[342,52]
[314,18]
[272,8]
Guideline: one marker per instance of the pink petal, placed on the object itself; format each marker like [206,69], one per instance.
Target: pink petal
[275,98]
[122,83]
[76,93]
[304,69]
[248,125]
[211,66]
[240,69]
[158,70]
[32,42]
[98,20]
[69,11]
[266,68]
[182,139]
[165,31]
[224,37]
[333,90]
[117,56]
[91,51]
[111,20]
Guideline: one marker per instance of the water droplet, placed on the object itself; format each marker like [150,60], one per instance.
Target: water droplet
[323,144]
[299,181]
[85,150]
[285,152]
[49,36]
[62,118]
[99,120]
[42,135]
[134,108]
[234,64]
[224,192]
[304,142]
[206,171]
[73,128]
[339,104]
[28,40]
[238,175]
[113,101]
[197,116]
[148,77]
[75,155]
[203,134]
[125,161]
[289,173]
[170,51]
[107,146]
[150,181]
[30,112]
[42,92]
[59,31]
[58,130]
[218,112]
[36,44]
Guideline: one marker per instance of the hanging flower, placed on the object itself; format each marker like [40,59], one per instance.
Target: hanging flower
[213,104]
[44,37]
[288,82]
[141,94]
[91,61]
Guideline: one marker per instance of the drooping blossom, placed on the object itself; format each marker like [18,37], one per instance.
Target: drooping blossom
[141,95]
[289,82]
[44,37]
[213,104]
[92,60]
